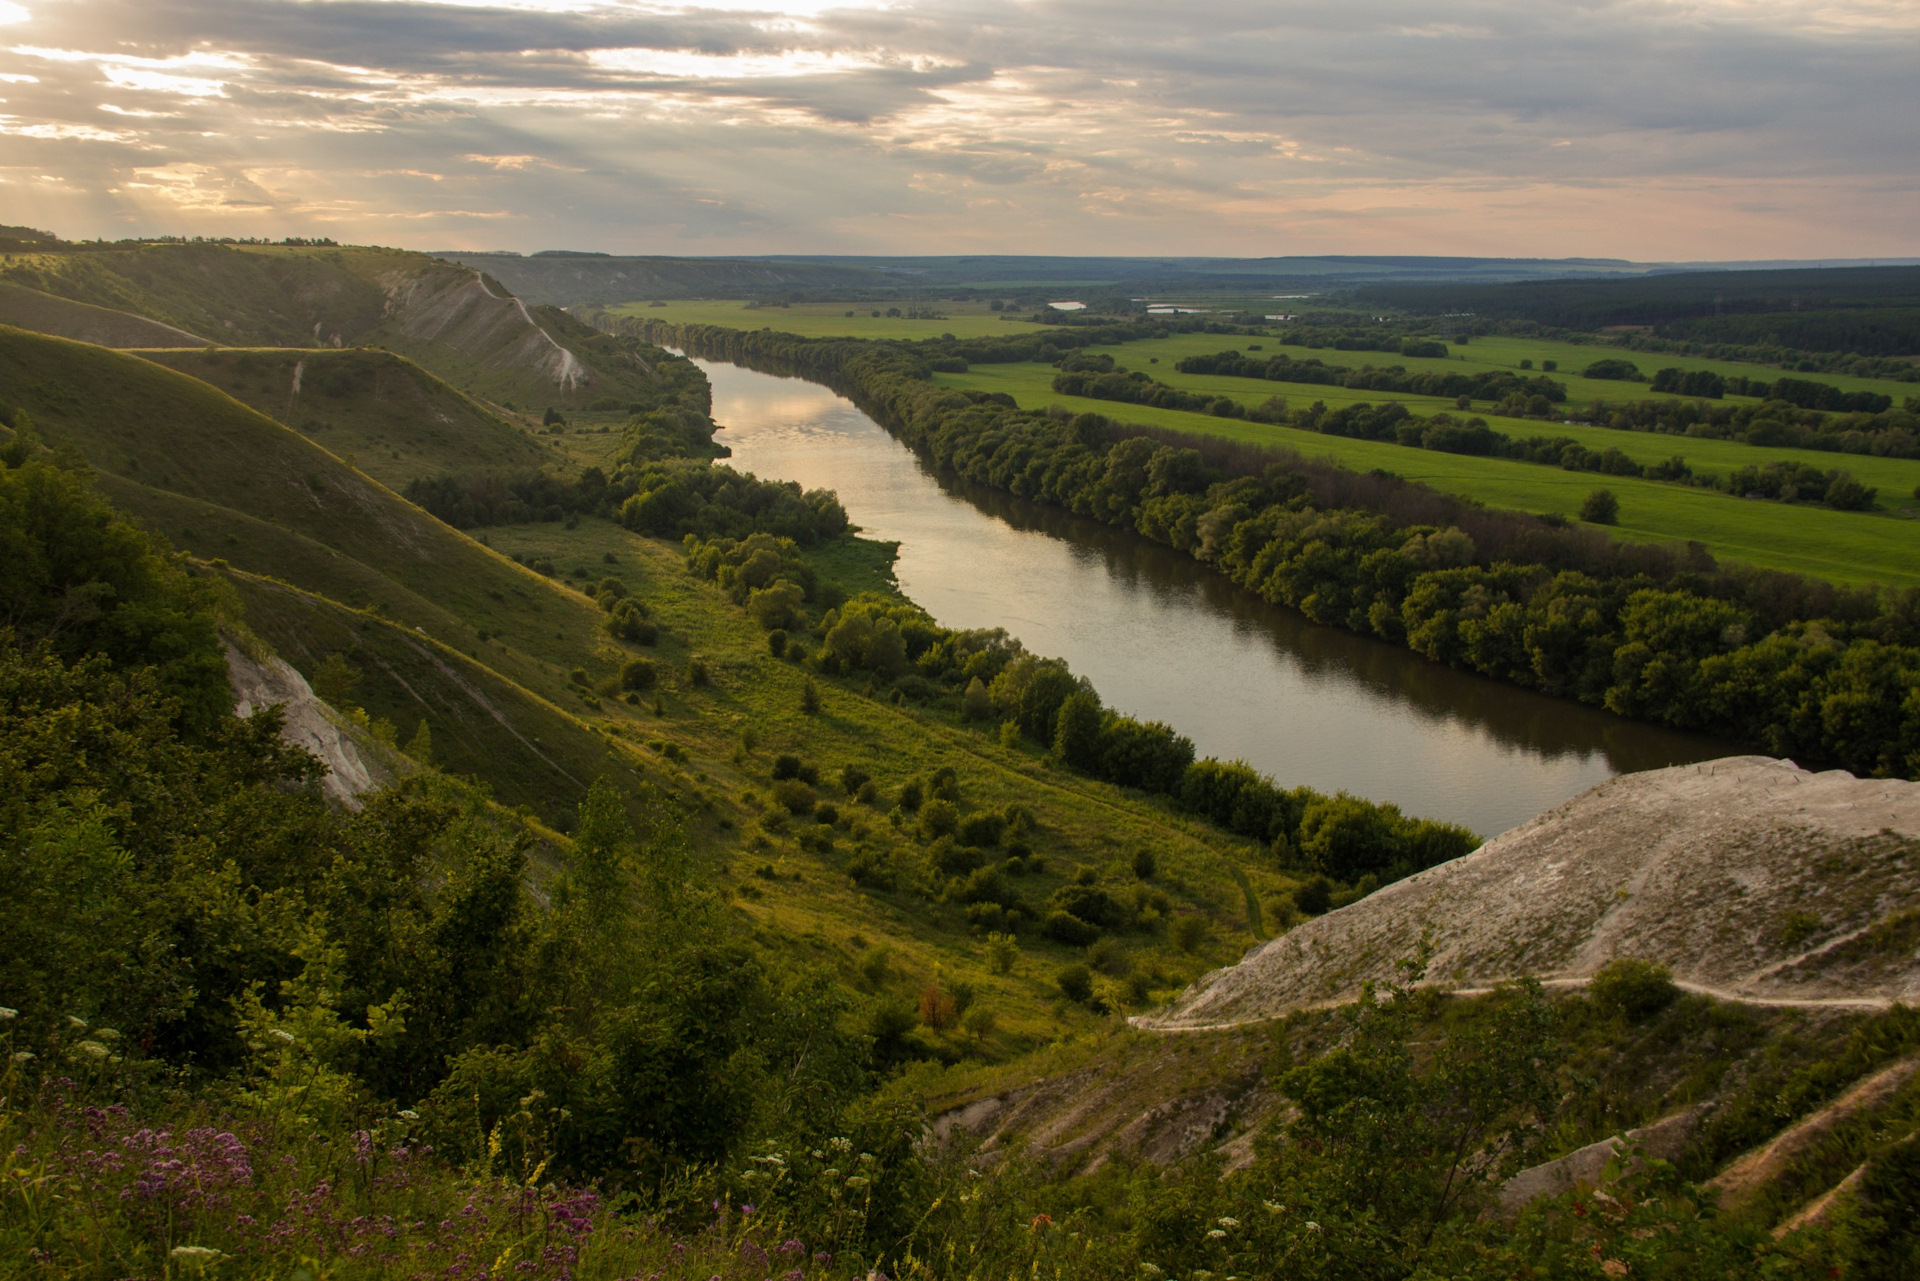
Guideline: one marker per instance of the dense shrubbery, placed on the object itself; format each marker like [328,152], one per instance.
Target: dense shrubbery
[1489,385]
[1801,669]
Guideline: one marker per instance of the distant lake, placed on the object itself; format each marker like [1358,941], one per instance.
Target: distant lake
[1163,639]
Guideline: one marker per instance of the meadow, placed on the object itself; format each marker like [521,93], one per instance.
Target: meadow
[1844,547]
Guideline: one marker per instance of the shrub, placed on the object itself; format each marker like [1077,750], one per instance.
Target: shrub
[868,794]
[1002,951]
[852,779]
[1314,897]
[639,674]
[826,813]
[938,818]
[944,785]
[952,859]
[1633,988]
[810,698]
[1107,956]
[912,796]
[937,1009]
[1600,508]
[1076,983]
[777,642]
[1144,865]
[697,672]
[1065,927]
[1187,932]
[795,795]
[980,829]
[871,870]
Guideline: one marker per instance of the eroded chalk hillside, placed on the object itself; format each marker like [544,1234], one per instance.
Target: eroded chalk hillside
[1751,878]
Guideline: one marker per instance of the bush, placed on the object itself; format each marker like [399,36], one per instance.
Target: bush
[1144,865]
[912,796]
[1633,988]
[826,813]
[795,795]
[1090,903]
[1107,956]
[1065,927]
[980,829]
[952,859]
[697,672]
[1614,370]
[777,642]
[1002,951]
[870,869]
[852,779]
[1076,983]
[1314,898]
[1600,508]
[1187,932]
[639,674]
[938,818]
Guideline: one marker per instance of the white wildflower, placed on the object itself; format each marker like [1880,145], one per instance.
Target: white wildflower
[75,1021]
[1214,1234]
[283,1036]
[7,1014]
[201,1254]
[408,1114]
[1312,1226]
[106,1034]
[1274,1207]
[21,1056]
[1153,1269]
[857,1182]
[1229,1223]
[93,1049]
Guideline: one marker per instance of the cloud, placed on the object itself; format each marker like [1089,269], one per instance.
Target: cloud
[1644,128]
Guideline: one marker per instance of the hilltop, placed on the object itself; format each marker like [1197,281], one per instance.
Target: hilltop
[1752,879]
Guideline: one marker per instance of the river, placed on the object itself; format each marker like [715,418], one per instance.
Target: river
[1161,639]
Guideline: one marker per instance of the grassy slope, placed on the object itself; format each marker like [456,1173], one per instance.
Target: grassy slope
[309,543]
[380,411]
[830,319]
[1845,547]
[49,314]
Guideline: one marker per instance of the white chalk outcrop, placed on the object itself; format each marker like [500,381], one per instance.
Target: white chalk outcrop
[1753,879]
[309,723]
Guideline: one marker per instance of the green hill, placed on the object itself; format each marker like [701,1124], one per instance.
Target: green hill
[65,318]
[394,419]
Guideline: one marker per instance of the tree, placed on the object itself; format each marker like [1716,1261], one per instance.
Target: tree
[1600,508]
[420,747]
[336,681]
[810,698]
[1076,730]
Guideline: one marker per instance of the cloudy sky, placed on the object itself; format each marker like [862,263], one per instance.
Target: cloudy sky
[1648,129]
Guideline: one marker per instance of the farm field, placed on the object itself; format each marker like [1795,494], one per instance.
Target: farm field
[1493,353]
[1895,478]
[1844,547]
[830,319]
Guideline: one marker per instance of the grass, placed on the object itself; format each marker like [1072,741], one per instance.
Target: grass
[830,319]
[1845,547]
[1483,354]
[376,410]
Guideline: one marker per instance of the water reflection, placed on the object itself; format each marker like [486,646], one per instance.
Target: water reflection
[1162,640]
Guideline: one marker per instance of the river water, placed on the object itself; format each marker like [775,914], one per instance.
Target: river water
[1163,640]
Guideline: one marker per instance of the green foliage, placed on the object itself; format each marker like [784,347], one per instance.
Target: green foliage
[1600,508]
[1632,988]
[1075,983]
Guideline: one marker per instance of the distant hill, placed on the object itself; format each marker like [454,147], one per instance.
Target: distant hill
[456,321]
[568,279]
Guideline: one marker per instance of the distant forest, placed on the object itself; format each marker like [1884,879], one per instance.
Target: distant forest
[1874,311]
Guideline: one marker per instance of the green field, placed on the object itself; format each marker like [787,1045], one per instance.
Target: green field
[830,319]
[1479,355]
[1847,547]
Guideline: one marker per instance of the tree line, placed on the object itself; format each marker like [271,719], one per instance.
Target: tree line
[1803,669]
[1493,384]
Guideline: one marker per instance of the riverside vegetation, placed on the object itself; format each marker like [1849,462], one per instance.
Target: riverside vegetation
[706,861]
[1798,667]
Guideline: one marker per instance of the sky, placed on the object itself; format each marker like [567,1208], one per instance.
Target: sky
[1656,130]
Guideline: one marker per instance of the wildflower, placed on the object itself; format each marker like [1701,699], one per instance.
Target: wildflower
[1040,1221]
[408,1114]
[194,1254]
[857,1182]
[1229,1223]
[1615,1268]
[76,1022]
[21,1056]
[281,1035]
[93,1049]
[1214,1234]
[1153,1269]
[1312,1226]
[7,1015]
[1274,1207]
[105,1034]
